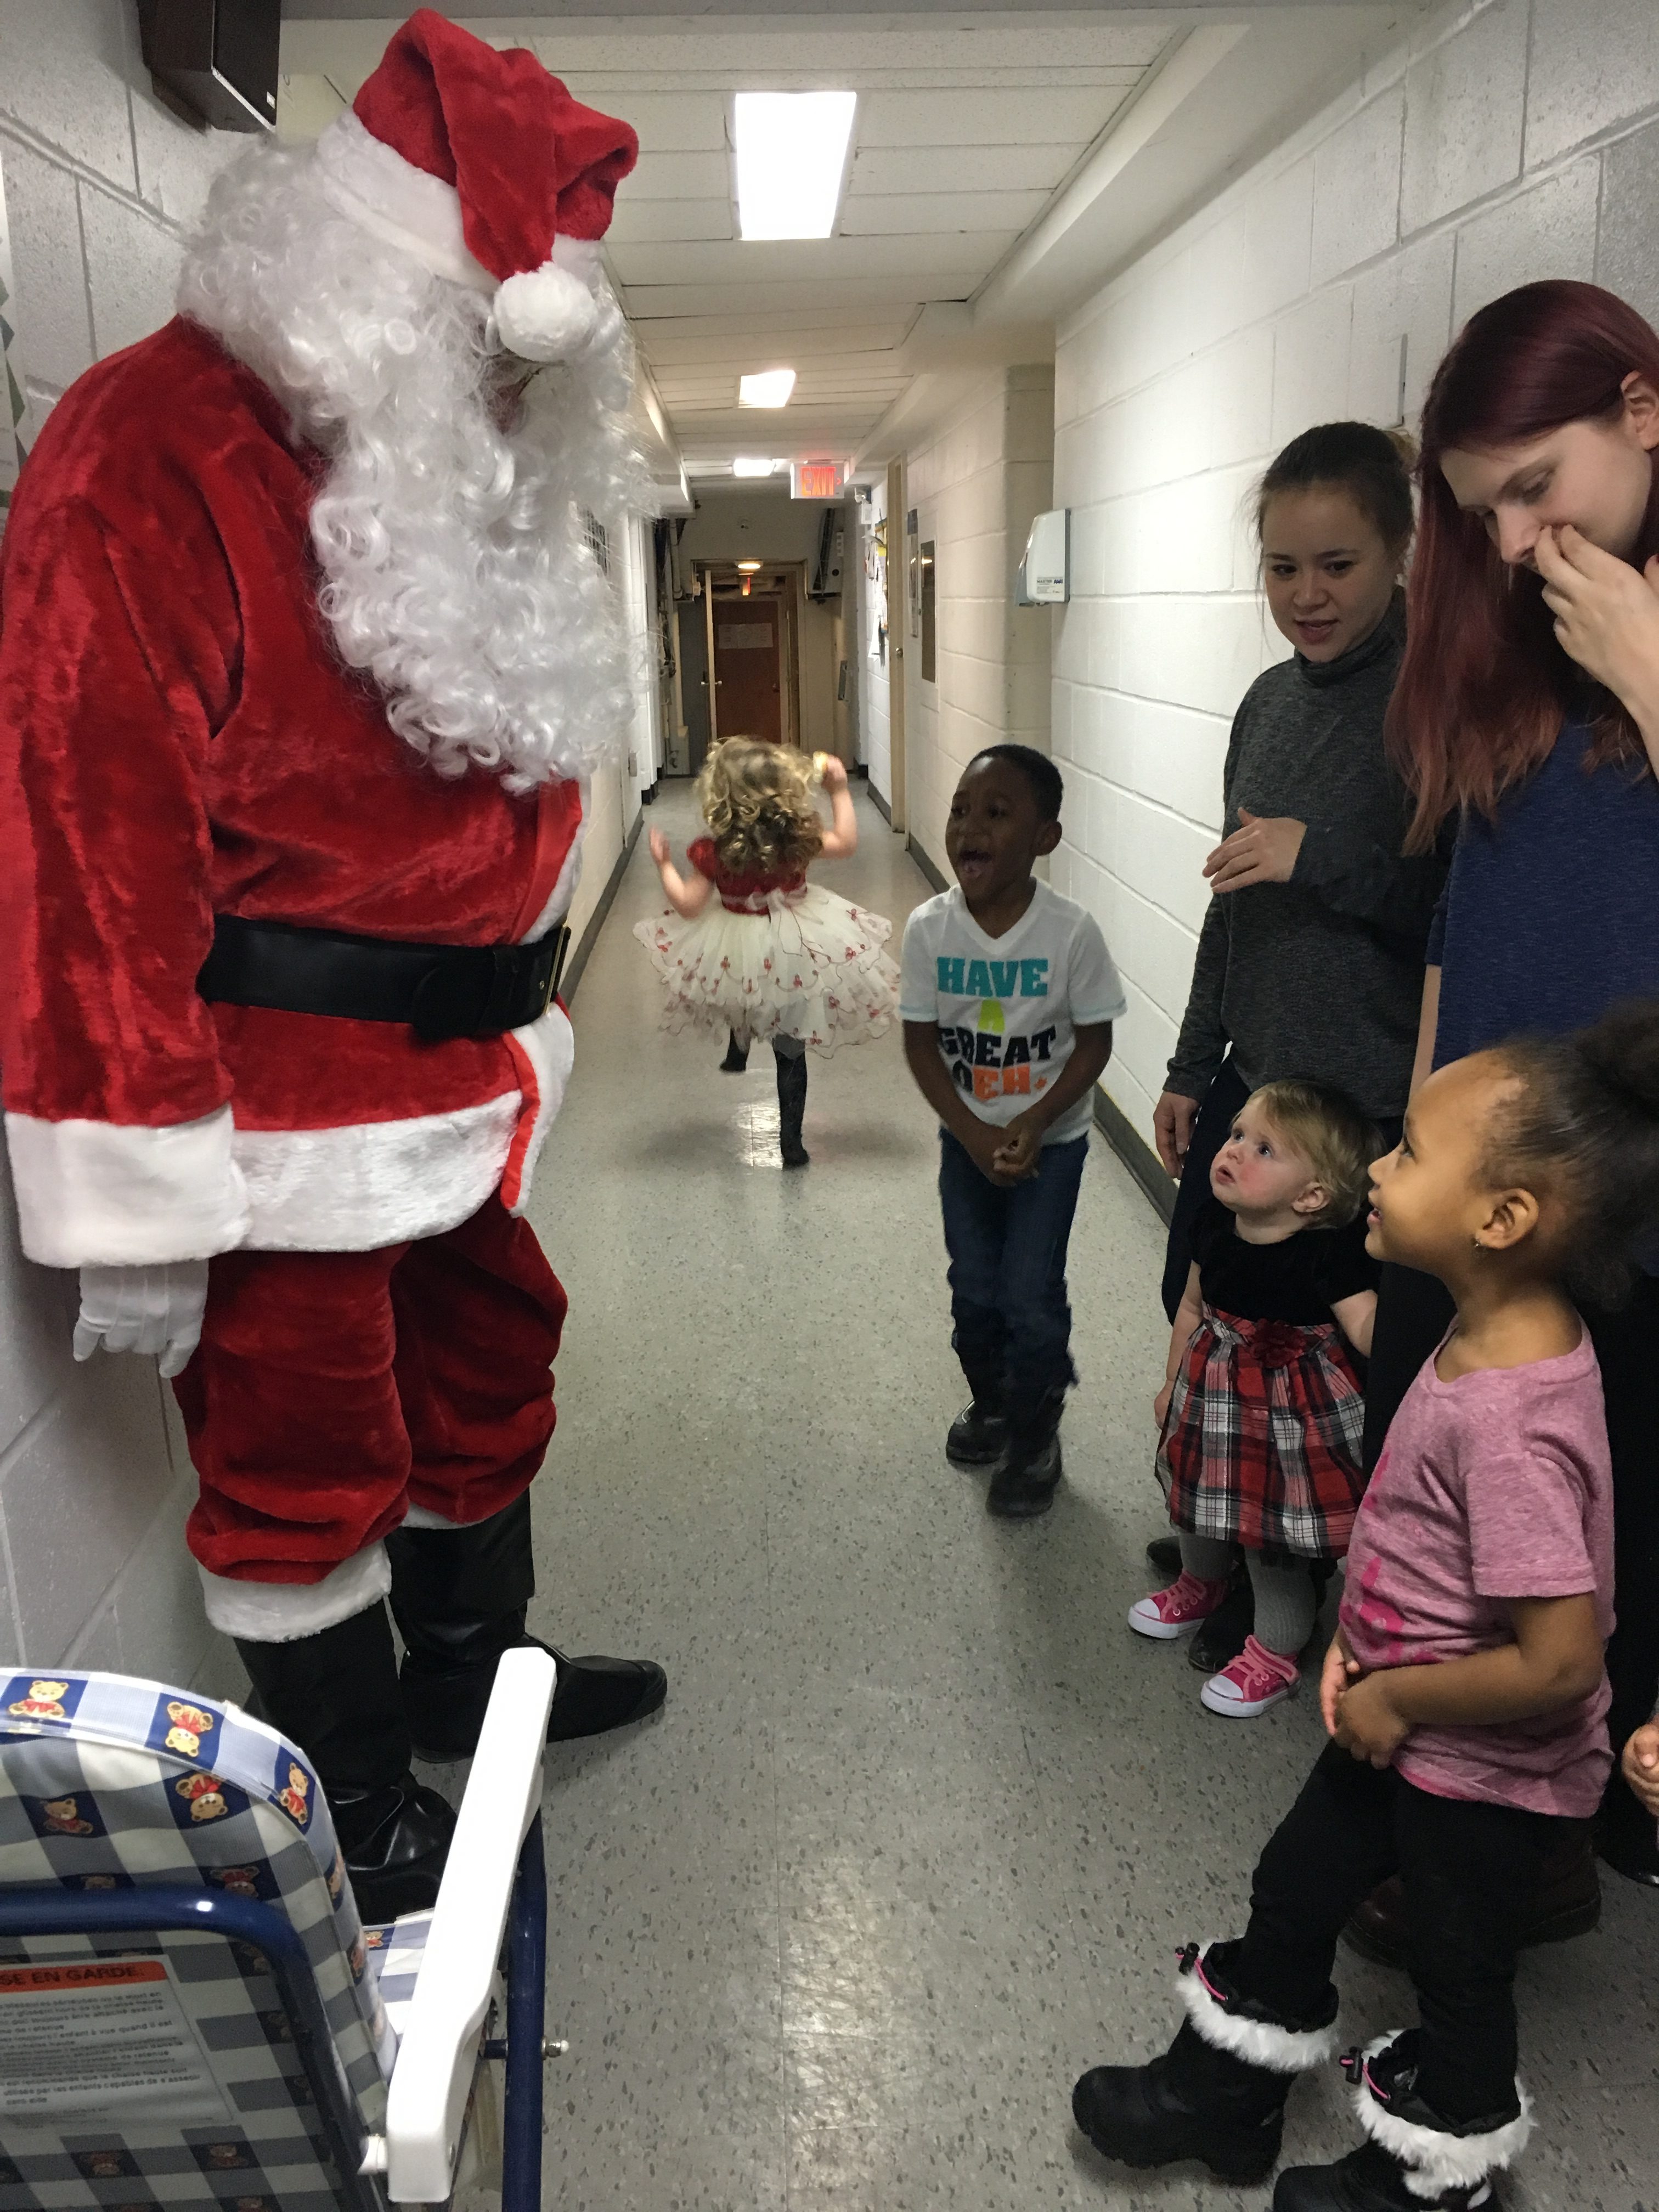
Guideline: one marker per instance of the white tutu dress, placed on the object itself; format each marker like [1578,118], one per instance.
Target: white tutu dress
[773,956]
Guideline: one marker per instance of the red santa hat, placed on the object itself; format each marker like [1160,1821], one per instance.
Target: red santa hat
[482,164]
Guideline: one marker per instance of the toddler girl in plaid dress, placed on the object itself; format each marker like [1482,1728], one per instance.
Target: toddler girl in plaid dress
[1262,1412]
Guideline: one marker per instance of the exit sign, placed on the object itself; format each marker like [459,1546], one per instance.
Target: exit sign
[816,479]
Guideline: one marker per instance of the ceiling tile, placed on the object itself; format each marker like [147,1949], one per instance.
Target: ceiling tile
[995,168]
[892,215]
[639,222]
[985,118]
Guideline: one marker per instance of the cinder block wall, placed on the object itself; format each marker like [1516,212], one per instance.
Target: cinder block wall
[101,182]
[975,486]
[1504,141]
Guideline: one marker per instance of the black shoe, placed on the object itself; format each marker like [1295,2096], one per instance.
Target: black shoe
[336,1694]
[792,1106]
[1163,1553]
[394,1842]
[737,1056]
[1222,1637]
[1140,2116]
[1627,1838]
[978,1437]
[459,1597]
[1024,1485]
[1567,1902]
[1370,2180]
[595,1695]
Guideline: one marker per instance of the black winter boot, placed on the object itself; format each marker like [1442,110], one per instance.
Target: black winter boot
[979,1434]
[1414,2160]
[459,1597]
[737,1056]
[1217,2094]
[336,1694]
[792,1105]
[1023,1486]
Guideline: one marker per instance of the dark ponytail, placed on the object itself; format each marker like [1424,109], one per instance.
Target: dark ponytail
[1586,1127]
[1372,466]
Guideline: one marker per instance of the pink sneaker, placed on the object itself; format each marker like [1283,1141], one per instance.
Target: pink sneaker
[1258,1678]
[1178,1610]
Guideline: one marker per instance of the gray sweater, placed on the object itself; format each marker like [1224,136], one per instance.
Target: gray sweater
[1322,976]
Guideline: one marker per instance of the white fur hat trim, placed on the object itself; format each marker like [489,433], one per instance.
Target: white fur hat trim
[1436,2160]
[1279,2050]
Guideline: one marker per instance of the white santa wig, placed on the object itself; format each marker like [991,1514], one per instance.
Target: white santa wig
[452,530]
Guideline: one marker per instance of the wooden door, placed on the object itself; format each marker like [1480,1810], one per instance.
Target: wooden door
[749,668]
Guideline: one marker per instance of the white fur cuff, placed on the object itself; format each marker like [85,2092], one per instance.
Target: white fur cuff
[1279,2050]
[1436,2160]
[112,1195]
[282,1612]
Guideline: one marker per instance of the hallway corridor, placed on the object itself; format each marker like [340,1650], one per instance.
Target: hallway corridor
[905,1852]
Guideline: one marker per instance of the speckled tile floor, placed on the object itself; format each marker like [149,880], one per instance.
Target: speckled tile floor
[922,1824]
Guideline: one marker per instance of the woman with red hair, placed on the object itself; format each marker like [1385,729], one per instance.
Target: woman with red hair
[1527,706]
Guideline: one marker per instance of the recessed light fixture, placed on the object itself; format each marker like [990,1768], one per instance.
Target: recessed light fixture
[752,465]
[749,568]
[768,387]
[792,159]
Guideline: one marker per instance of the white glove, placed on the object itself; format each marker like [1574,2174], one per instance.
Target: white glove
[149,1310]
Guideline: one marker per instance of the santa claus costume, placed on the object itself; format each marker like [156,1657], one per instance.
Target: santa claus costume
[304,665]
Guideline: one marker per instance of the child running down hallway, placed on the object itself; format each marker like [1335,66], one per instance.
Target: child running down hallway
[750,945]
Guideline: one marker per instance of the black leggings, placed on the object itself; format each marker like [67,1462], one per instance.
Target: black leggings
[1468,1870]
[1414,1313]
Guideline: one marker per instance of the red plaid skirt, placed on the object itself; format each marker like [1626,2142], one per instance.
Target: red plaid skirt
[1261,1443]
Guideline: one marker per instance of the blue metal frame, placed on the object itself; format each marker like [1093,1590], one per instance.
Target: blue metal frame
[526,2015]
[29,1912]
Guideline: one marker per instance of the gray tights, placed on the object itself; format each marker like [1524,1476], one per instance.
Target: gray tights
[1286,1605]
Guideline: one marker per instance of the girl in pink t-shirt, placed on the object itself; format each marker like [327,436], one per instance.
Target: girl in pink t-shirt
[1464,1693]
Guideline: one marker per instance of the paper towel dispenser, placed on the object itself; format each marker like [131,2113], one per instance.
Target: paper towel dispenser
[1045,573]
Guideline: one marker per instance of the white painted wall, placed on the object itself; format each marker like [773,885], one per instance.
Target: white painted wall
[94,1484]
[975,485]
[1504,141]
[875,733]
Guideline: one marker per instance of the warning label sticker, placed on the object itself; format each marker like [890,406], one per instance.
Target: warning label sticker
[105,2039]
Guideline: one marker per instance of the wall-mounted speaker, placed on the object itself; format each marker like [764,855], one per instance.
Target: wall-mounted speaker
[216,58]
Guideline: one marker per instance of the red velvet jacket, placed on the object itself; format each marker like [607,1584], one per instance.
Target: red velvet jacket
[178,739]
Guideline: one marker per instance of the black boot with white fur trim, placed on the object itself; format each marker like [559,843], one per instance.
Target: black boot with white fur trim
[1217,2094]
[1413,2161]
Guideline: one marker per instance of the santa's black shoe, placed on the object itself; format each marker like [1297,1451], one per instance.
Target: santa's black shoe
[336,1694]
[1170,2109]
[1370,2179]
[460,1596]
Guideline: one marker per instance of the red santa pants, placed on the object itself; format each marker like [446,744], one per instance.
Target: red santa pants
[333,1389]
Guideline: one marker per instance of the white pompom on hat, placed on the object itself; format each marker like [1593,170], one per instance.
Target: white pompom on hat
[482,164]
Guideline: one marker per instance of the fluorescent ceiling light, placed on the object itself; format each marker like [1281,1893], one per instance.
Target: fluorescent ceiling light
[769,388]
[792,157]
[750,464]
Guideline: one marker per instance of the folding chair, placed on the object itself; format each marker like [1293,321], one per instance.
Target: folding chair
[191,2012]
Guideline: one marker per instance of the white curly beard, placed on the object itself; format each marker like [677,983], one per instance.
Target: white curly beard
[450,532]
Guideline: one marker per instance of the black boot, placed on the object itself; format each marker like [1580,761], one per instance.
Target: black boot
[1164,1553]
[459,1597]
[979,1435]
[1219,2093]
[737,1056]
[1023,1486]
[1414,2160]
[792,1105]
[336,1694]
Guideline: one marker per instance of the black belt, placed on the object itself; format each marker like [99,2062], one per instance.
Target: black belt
[442,991]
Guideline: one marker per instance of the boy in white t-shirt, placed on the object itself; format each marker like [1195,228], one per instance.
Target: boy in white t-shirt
[1008,997]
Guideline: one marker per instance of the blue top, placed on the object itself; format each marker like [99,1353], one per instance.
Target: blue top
[1551,914]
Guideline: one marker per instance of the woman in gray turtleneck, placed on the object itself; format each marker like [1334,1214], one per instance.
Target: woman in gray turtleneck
[1310,959]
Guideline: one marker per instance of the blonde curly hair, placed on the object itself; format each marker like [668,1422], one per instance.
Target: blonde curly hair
[756,799]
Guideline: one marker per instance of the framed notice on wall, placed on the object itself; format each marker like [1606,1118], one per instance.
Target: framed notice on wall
[11,381]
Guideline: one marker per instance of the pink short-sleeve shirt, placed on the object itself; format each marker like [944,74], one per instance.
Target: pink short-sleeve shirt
[1495,1487]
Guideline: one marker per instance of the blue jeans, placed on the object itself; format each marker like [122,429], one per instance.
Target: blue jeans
[1013,1320]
